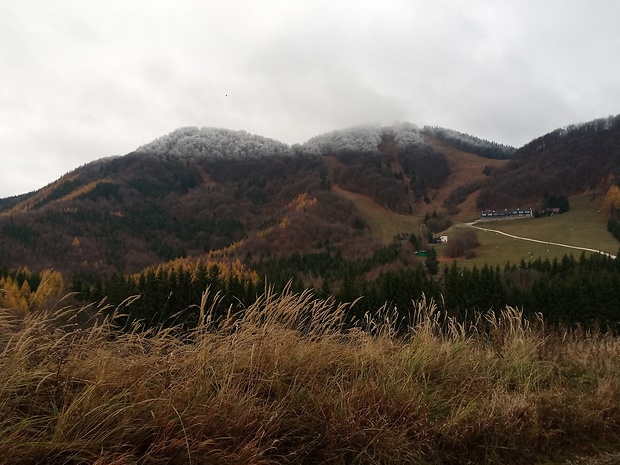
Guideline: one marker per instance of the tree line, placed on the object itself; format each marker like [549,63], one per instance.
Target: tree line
[469,143]
[571,291]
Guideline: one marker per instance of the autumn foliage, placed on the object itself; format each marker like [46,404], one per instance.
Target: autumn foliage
[17,293]
[612,200]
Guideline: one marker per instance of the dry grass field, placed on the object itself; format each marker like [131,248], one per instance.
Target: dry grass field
[286,383]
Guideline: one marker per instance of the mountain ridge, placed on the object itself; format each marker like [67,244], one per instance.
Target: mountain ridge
[198,190]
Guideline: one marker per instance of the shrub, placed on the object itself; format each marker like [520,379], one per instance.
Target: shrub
[470,253]
[437,222]
[462,242]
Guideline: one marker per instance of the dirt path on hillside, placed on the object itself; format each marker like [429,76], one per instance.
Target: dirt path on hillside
[473,225]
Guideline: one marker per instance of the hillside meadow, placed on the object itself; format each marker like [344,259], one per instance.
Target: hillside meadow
[584,225]
[284,382]
[384,224]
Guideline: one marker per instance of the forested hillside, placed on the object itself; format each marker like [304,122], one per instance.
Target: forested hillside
[239,212]
[134,211]
[214,143]
[199,190]
[563,162]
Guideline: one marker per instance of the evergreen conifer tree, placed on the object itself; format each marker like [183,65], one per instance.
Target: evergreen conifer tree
[432,262]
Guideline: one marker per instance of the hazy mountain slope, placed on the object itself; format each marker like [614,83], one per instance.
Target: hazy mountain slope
[394,165]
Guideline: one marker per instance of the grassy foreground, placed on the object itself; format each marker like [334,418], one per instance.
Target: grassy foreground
[285,384]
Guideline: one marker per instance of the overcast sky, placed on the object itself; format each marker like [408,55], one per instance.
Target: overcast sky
[86,79]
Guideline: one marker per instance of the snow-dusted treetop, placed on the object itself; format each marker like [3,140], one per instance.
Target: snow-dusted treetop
[358,139]
[470,143]
[408,136]
[215,143]
[364,139]
[219,143]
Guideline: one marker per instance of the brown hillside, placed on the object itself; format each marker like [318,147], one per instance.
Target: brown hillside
[136,211]
[465,169]
[362,188]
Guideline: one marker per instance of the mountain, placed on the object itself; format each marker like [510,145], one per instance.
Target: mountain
[350,216]
[566,161]
[199,190]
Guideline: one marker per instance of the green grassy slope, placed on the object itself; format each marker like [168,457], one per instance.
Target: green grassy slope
[585,225]
[383,223]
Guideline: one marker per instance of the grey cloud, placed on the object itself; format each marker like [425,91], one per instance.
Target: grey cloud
[84,80]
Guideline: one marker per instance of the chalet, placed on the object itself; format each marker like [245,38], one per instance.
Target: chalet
[506,213]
